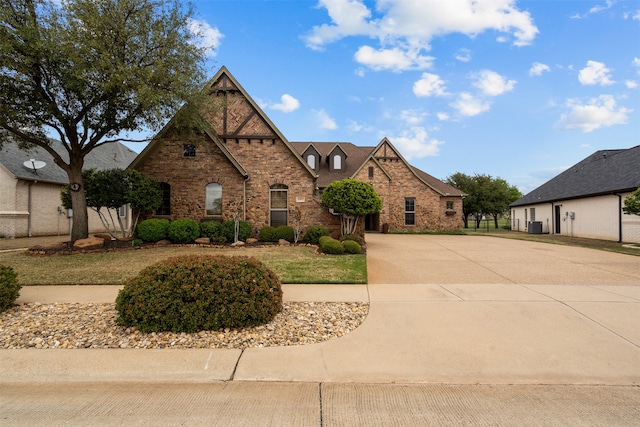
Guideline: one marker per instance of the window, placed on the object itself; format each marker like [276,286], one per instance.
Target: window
[122,211]
[165,206]
[337,162]
[188,150]
[213,202]
[533,214]
[278,205]
[449,206]
[370,171]
[409,211]
[311,161]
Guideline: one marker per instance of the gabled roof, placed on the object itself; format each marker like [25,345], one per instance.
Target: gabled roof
[604,172]
[358,157]
[201,125]
[106,156]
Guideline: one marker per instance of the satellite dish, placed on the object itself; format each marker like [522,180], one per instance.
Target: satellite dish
[34,164]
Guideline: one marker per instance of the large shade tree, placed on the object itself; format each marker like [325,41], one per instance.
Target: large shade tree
[632,203]
[88,71]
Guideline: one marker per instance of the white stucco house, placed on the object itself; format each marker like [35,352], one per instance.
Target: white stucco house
[586,200]
[30,197]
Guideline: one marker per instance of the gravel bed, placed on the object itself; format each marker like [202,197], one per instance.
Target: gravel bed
[40,326]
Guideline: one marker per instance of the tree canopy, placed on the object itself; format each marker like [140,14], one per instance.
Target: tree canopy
[351,199]
[87,71]
[485,195]
[632,203]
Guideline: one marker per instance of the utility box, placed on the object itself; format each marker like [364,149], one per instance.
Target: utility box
[535,227]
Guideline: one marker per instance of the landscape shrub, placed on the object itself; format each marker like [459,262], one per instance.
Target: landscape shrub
[152,230]
[192,293]
[351,247]
[314,233]
[285,232]
[267,234]
[213,230]
[329,245]
[183,231]
[355,237]
[9,287]
[244,231]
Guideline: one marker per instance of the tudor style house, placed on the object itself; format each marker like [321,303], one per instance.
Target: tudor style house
[586,200]
[235,161]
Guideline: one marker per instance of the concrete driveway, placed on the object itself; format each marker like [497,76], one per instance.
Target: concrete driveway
[461,309]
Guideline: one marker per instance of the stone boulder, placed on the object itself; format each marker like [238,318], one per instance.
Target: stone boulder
[88,243]
[283,242]
[252,241]
[203,241]
[238,243]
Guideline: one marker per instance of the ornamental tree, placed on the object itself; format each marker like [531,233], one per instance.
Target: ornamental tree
[87,71]
[632,203]
[351,199]
[107,190]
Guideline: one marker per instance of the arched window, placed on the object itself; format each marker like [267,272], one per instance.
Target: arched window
[165,206]
[337,162]
[278,205]
[213,203]
[311,161]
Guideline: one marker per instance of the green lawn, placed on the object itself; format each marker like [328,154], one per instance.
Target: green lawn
[293,264]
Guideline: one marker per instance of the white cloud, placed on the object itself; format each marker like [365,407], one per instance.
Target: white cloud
[207,37]
[538,68]
[594,9]
[596,113]
[412,117]
[636,63]
[429,85]
[414,143]
[394,59]
[443,117]
[463,55]
[468,105]
[288,104]
[595,73]
[631,84]
[492,83]
[324,120]
[404,29]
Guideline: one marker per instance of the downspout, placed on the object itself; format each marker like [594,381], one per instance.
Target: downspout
[619,217]
[244,198]
[553,219]
[29,209]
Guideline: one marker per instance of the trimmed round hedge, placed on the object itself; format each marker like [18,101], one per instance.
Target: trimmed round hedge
[183,231]
[152,230]
[198,292]
[314,233]
[9,287]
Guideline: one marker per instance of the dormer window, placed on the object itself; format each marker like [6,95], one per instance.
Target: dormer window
[337,162]
[311,160]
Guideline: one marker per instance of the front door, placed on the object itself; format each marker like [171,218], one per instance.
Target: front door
[372,222]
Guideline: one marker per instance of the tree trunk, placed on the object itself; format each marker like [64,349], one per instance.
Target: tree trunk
[80,227]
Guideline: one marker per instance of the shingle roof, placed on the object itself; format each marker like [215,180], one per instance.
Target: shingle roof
[107,156]
[604,172]
[356,156]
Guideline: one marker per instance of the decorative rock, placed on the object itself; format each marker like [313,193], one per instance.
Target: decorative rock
[105,237]
[238,243]
[203,240]
[252,241]
[88,243]
[164,242]
[283,242]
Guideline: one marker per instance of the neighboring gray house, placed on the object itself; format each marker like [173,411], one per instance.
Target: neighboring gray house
[586,200]
[30,199]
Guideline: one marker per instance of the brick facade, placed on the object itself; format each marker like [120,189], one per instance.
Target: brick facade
[239,148]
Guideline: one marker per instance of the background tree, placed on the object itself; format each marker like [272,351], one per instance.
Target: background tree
[351,199]
[632,203]
[485,196]
[107,190]
[87,71]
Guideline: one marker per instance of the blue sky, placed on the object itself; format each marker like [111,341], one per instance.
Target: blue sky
[516,89]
